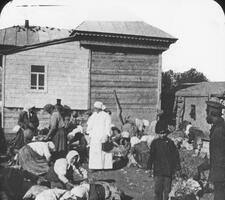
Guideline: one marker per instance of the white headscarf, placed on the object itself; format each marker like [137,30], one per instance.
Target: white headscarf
[98,104]
[71,155]
[125,134]
[51,145]
[145,122]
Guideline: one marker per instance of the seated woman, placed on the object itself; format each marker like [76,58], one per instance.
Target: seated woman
[120,152]
[66,172]
[77,142]
[35,157]
[116,135]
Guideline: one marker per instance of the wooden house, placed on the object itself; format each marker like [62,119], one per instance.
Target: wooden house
[96,59]
[191,102]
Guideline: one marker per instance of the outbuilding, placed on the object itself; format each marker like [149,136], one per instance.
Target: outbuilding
[191,103]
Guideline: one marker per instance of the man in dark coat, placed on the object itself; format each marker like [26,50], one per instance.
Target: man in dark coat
[164,158]
[28,119]
[217,148]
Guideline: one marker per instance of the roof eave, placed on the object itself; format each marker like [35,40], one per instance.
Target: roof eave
[123,36]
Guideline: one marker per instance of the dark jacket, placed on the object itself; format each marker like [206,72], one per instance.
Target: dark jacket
[28,120]
[217,151]
[164,157]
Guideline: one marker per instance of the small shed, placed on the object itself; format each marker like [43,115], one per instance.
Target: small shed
[190,102]
[96,59]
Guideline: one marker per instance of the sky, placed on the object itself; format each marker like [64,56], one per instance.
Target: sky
[199,25]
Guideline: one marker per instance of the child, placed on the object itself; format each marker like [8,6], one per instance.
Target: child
[164,158]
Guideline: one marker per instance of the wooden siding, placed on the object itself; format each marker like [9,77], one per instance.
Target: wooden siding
[200,104]
[67,78]
[134,77]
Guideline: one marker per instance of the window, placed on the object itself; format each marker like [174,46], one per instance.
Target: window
[38,77]
[193,112]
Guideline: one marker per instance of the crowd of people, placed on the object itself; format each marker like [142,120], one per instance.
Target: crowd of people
[59,158]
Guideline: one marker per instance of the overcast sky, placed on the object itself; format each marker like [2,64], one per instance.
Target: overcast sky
[198,24]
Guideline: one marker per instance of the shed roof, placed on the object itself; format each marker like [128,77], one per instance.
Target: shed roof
[203,89]
[137,28]
[21,36]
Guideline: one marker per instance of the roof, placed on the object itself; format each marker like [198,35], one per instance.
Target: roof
[203,89]
[135,28]
[36,37]
[21,36]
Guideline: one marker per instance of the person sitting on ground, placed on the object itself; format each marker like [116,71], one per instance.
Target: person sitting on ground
[66,172]
[116,135]
[78,142]
[35,157]
[73,122]
[129,126]
[140,152]
[195,136]
[164,160]
[123,147]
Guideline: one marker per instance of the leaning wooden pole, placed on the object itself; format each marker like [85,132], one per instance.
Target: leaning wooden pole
[118,108]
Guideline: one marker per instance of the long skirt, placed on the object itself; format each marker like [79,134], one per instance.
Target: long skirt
[32,162]
[60,141]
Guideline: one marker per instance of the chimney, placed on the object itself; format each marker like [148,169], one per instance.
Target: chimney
[26,23]
[58,101]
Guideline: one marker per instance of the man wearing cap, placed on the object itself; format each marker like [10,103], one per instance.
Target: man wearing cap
[164,160]
[216,147]
[99,129]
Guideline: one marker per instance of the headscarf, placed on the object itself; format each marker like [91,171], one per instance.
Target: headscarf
[125,134]
[51,145]
[48,108]
[98,104]
[71,155]
[145,122]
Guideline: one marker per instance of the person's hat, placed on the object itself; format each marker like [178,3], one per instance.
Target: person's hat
[98,104]
[71,155]
[51,145]
[161,127]
[48,107]
[215,104]
[125,134]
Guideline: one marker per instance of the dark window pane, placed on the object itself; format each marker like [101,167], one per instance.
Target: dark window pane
[33,79]
[1,57]
[33,87]
[41,88]
[37,68]
[41,80]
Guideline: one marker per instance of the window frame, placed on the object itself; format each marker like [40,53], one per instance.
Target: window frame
[45,73]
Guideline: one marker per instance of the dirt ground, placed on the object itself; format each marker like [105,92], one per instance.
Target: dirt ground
[136,183]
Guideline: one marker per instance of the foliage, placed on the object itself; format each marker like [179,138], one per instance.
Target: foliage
[172,81]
